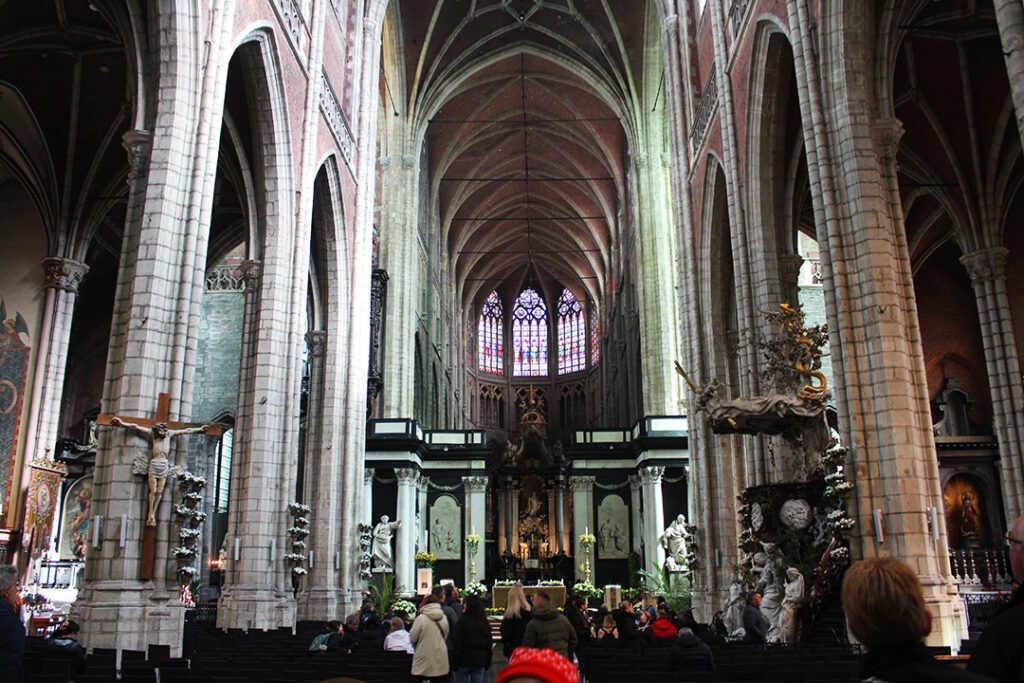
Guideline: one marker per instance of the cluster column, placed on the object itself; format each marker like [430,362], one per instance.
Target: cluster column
[987,269]
[62,277]
[367,502]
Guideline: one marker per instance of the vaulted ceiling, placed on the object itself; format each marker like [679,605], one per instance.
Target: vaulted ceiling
[528,107]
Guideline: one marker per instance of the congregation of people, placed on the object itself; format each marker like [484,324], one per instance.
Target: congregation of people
[451,639]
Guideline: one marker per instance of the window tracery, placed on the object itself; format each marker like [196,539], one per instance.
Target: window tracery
[572,334]
[529,335]
[489,338]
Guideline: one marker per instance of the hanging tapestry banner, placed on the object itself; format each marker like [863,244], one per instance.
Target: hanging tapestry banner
[14,356]
[43,489]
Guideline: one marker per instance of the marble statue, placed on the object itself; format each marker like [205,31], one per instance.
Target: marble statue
[158,468]
[383,558]
[674,542]
[733,612]
[794,597]
[770,586]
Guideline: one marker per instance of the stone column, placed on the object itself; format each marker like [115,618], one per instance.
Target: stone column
[987,269]
[502,495]
[1010,18]
[367,506]
[634,513]
[323,597]
[583,519]
[422,486]
[789,275]
[476,520]
[514,518]
[552,520]
[560,540]
[61,279]
[405,563]
[654,516]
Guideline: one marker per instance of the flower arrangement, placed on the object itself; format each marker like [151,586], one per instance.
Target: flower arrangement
[840,554]
[190,480]
[587,539]
[298,531]
[189,520]
[504,582]
[553,582]
[404,609]
[476,588]
[188,571]
[587,590]
[425,559]
[184,552]
[473,540]
[188,533]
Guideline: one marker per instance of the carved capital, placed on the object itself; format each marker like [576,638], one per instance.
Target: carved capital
[252,271]
[138,144]
[889,132]
[985,264]
[408,161]
[384,162]
[789,267]
[368,475]
[582,484]
[634,481]
[406,476]
[424,483]
[475,483]
[651,474]
[316,340]
[63,273]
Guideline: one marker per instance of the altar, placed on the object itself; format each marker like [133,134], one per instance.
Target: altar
[500,594]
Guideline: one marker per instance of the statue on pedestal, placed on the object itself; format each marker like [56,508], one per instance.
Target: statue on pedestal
[769,585]
[733,612]
[674,542]
[794,597]
[383,557]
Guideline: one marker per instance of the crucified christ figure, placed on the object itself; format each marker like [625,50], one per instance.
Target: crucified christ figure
[158,467]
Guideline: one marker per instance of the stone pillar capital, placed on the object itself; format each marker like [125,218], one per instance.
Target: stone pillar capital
[407,476]
[252,272]
[985,264]
[651,474]
[137,143]
[63,273]
[368,475]
[789,267]
[316,340]
[475,483]
[582,483]
[634,481]
[889,132]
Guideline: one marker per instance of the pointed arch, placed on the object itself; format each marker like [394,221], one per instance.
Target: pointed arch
[529,335]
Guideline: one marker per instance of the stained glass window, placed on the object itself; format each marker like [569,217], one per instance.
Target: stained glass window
[529,335]
[595,336]
[572,334]
[488,336]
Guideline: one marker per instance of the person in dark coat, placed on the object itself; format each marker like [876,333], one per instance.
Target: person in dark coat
[576,612]
[690,653]
[63,640]
[885,611]
[1000,650]
[755,626]
[370,634]
[548,628]
[625,621]
[513,624]
[12,630]
[452,600]
[346,637]
[473,646]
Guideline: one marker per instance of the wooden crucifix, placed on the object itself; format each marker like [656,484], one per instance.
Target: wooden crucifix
[157,467]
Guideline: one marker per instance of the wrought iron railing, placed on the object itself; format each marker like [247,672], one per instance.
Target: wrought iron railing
[705,105]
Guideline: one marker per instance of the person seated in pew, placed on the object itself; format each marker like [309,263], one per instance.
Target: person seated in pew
[607,634]
[538,666]
[398,639]
[63,640]
[690,653]
[885,611]
[369,635]
[320,641]
[625,621]
[660,633]
[345,639]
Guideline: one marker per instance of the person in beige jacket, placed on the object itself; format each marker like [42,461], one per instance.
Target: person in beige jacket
[428,635]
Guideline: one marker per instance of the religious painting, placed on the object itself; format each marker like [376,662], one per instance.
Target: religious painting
[74,528]
[446,529]
[14,357]
[612,528]
[966,522]
[40,503]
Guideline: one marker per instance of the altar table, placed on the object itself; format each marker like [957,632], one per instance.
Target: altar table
[500,594]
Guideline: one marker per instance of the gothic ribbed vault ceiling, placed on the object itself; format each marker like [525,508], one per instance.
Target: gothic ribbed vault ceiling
[527,108]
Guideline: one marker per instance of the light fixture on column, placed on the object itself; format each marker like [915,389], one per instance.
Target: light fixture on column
[97,523]
[124,530]
[879,529]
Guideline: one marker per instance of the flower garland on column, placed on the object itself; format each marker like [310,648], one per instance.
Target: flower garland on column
[298,532]
[189,519]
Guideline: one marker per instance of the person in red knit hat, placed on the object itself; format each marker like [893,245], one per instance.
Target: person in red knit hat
[661,632]
[538,666]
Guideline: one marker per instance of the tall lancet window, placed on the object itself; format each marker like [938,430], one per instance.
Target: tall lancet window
[572,334]
[595,335]
[529,335]
[488,336]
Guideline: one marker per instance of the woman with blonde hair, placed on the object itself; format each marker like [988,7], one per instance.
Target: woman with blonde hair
[513,624]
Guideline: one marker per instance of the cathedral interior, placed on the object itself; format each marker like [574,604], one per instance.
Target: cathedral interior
[436,260]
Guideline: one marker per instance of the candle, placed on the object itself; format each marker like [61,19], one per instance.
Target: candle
[473,530]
